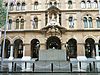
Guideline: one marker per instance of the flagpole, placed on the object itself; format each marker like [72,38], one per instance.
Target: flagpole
[5,26]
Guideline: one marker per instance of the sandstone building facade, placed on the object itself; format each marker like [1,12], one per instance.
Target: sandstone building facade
[36,25]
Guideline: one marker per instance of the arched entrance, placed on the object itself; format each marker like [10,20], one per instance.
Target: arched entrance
[53,42]
[18,48]
[72,46]
[35,45]
[90,48]
[7,48]
[99,47]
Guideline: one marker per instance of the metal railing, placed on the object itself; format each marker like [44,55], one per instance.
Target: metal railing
[51,66]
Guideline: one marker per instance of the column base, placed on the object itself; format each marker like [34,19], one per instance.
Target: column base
[97,57]
[81,58]
[83,65]
[10,64]
[98,63]
[28,66]
[11,58]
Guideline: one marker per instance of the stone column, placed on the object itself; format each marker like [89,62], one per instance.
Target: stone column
[11,58]
[58,18]
[97,52]
[48,18]
[23,50]
[26,58]
[80,49]
[11,52]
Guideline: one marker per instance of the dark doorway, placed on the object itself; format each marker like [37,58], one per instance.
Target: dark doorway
[72,46]
[35,45]
[90,48]
[18,48]
[53,42]
[7,48]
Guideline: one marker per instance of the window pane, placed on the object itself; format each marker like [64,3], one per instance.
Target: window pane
[90,22]
[85,22]
[35,5]
[10,23]
[69,4]
[22,24]
[35,22]
[82,4]
[17,24]
[71,22]
[23,6]
[18,6]
[88,4]
[11,6]
[98,22]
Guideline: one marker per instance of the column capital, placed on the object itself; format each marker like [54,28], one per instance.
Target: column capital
[12,44]
[96,43]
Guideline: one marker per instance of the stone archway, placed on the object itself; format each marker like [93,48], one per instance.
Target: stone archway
[18,48]
[90,48]
[72,46]
[35,45]
[53,42]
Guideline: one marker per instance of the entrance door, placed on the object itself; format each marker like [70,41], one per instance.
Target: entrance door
[53,42]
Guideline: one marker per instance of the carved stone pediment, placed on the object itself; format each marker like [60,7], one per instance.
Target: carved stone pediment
[53,28]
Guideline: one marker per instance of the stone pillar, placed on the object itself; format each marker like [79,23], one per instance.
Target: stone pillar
[26,57]
[11,58]
[23,50]
[48,18]
[58,18]
[97,52]
[80,49]
[11,52]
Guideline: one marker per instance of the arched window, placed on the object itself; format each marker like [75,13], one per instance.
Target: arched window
[98,22]
[23,6]
[36,5]
[17,23]
[85,22]
[35,23]
[90,22]
[71,22]
[10,23]
[18,6]
[50,3]
[69,4]
[88,4]
[22,24]
[95,4]
[55,3]
[11,6]
[82,4]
